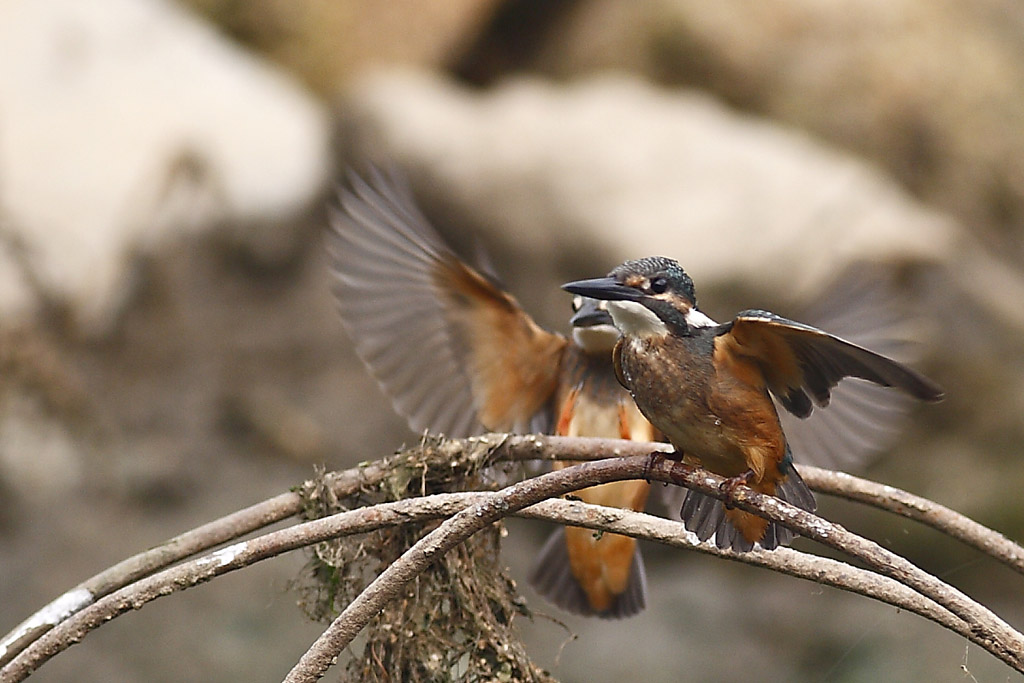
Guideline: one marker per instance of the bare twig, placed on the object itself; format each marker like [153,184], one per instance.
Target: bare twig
[507,448]
[919,509]
[227,559]
[989,631]
[794,563]
[200,539]
[143,564]
[840,484]
[788,561]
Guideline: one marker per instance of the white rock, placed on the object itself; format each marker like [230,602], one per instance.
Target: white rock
[643,170]
[630,169]
[125,122]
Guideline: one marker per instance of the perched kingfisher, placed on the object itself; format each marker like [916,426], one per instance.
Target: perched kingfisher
[459,356]
[709,388]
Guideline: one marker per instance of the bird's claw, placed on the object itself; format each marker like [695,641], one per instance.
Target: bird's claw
[729,486]
[656,458]
[653,460]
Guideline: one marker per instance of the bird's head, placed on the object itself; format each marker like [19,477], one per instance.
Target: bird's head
[651,296]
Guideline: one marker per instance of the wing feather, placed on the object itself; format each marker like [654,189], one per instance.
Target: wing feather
[863,418]
[793,356]
[454,352]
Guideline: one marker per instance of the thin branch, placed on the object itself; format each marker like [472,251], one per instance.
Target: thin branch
[228,528]
[515,448]
[143,564]
[930,513]
[416,510]
[788,561]
[989,631]
[407,511]
[840,484]
[202,569]
[198,540]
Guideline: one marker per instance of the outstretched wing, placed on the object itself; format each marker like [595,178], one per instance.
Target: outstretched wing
[454,352]
[866,308]
[801,364]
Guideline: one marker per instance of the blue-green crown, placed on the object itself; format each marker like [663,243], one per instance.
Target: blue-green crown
[652,267]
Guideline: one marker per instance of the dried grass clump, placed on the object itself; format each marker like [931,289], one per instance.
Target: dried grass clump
[454,622]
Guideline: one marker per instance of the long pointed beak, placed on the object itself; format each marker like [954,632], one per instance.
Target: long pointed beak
[603,288]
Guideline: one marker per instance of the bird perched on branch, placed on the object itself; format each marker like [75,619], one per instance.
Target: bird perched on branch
[708,387]
[458,355]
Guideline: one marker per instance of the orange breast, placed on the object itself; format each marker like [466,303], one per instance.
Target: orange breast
[601,563]
[712,407]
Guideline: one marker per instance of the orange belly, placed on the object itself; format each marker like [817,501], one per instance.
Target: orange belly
[719,414]
[601,563]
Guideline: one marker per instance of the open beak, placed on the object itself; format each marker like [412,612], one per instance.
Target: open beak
[603,288]
[591,314]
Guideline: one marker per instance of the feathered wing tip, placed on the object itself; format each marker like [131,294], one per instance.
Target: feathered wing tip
[863,419]
[552,577]
[794,491]
[384,255]
[706,516]
[454,352]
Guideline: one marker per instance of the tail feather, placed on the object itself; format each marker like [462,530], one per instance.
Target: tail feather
[552,577]
[794,491]
[706,516]
[729,537]
[702,514]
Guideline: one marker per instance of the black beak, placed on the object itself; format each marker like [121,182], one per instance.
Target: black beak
[603,288]
[591,314]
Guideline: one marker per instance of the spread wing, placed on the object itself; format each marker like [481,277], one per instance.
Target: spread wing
[802,366]
[454,352]
[863,419]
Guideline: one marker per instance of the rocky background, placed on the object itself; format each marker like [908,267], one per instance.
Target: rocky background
[169,351]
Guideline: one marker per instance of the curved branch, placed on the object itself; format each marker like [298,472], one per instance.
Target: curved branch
[222,561]
[839,484]
[798,564]
[200,539]
[988,630]
[143,564]
[930,513]
[794,563]
[502,447]
[823,570]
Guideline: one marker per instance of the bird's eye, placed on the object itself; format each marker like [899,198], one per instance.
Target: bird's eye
[577,303]
[659,285]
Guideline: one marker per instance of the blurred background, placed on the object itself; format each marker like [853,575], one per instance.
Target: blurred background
[169,351]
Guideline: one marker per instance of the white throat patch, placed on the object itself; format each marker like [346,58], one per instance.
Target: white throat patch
[695,318]
[596,338]
[636,319]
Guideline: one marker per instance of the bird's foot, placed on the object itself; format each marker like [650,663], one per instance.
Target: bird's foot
[653,460]
[729,486]
[656,458]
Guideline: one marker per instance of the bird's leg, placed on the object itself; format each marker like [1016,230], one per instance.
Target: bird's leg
[728,487]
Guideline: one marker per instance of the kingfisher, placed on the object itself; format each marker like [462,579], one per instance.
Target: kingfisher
[458,355]
[709,388]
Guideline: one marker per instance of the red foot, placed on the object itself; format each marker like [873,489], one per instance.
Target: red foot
[730,485]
